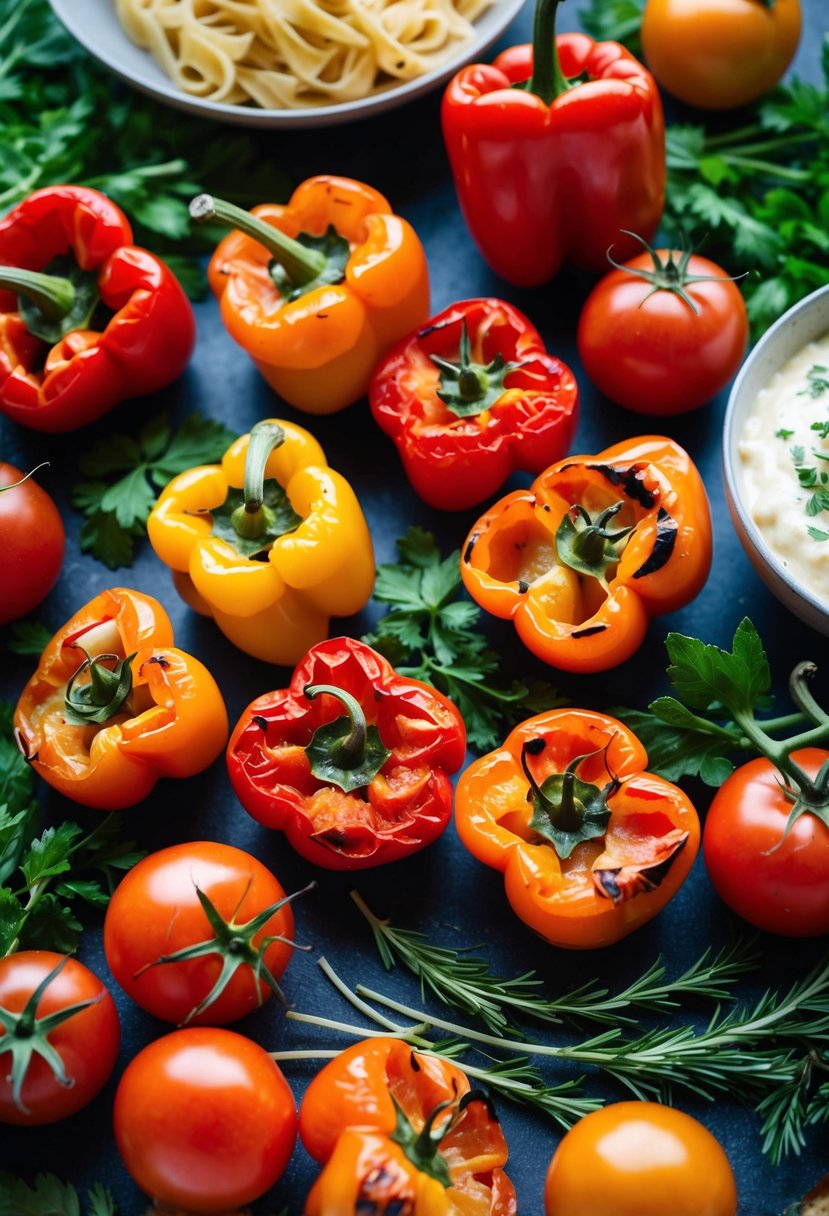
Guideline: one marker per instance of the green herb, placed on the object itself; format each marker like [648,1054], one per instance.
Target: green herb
[822,428]
[615,21]
[77,126]
[117,510]
[463,981]
[783,433]
[48,1196]
[811,478]
[817,534]
[817,385]
[28,638]
[56,868]
[432,634]
[715,714]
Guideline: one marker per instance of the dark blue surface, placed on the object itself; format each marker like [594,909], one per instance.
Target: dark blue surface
[443,890]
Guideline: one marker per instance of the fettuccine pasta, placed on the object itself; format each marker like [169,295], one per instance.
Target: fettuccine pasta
[289,54]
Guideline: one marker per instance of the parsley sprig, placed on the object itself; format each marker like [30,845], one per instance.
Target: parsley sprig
[432,633]
[48,1196]
[126,472]
[42,877]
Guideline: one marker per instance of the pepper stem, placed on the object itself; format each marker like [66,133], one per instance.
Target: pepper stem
[349,751]
[547,81]
[51,293]
[299,263]
[253,518]
[566,811]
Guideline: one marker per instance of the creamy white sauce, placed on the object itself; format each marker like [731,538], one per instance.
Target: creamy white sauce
[779,437]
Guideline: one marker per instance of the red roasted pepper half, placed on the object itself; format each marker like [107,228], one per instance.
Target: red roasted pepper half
[556,148]
[351,761]
[470,398]
[87,319]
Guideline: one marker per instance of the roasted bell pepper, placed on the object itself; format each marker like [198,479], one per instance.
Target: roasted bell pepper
[113,705]
[556,149]
[271,543]
[590,845]
[318,290]
[470,398]
[351,761]
[401,1132]
[594,548]
[86,318]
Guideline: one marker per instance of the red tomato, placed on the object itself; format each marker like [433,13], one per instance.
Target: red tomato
[160,895]
[639,1159]
[32,539]
[718,54]
[204,1120]
[649,350]
[87,1042]
[781,886]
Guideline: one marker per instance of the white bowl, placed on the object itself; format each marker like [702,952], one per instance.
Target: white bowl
[803,323]
[94,24]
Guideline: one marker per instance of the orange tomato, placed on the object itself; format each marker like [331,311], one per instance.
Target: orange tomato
[719,54]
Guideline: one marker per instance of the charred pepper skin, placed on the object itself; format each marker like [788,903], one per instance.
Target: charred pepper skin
[400,803]
[646,488]
[136,339]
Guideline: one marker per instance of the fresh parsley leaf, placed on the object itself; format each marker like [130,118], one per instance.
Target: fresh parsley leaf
[685,749]
[11,918]
[29,638]
[782,433]
[707,677]
[615,21]
[817,534]
[52,925]
[48,1196]
[48,855]
[117,510]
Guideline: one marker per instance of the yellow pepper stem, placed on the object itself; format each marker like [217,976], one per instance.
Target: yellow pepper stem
[252,519]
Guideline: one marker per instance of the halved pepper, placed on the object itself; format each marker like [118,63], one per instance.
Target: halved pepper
[271,543]
[471,397]
[590,845]
[87,319]
[595,547]
[113,705]
[401,1132]
[316,291]
[351,761]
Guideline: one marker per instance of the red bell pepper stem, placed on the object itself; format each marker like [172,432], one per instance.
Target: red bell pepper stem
[350,751]
[547,81]
[251,519]
[300,263]
[52,294]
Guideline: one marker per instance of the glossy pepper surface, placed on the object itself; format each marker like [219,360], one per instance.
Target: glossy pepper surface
[351,761]
[590,845]
[87,319]
[401,1132]
[592,550]
[471,397]
[555,149]
[271,543]
[316,291]
[113,705]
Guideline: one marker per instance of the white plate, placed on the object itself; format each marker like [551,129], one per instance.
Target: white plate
[94,24]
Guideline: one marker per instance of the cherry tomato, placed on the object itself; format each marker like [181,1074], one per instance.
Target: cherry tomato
[86,1042]
[32,539]
[651,351]
[204,1120]
[781,886]
[718,54]
[161,895]
[639,1159]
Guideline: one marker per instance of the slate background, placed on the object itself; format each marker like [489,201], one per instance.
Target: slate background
[443,890]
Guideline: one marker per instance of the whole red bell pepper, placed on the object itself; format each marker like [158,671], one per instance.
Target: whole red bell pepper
[470,398]
[351,761]
[87,319]
[556,149]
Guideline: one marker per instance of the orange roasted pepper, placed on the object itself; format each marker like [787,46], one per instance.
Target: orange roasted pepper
[113,705]
[592,550]
[318,290]
[401,1132]
[590,845]
[271,543]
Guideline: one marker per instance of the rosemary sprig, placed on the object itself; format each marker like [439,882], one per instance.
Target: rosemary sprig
[463,981]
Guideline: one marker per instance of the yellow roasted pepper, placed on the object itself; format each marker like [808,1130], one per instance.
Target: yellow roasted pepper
[271,543]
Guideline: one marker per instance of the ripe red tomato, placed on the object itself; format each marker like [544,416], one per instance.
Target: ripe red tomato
[639,1159]
[32,539]
[718,54]
[87,1042]
[160,895]
[649,350]
[204,1120]
[781,886]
